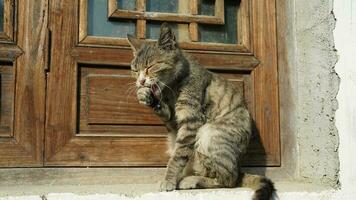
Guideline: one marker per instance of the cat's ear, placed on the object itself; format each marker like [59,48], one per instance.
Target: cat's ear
[167,39]
[134,43]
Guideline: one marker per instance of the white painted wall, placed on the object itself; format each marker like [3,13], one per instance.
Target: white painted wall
[345,43]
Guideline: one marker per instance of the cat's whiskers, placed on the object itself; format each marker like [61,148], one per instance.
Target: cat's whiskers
[131,83]
[174,93]
[160,92]
[130,90]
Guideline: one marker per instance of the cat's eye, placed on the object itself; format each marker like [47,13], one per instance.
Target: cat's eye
[149,67]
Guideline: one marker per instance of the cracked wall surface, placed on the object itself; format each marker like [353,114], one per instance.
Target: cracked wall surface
[316,88]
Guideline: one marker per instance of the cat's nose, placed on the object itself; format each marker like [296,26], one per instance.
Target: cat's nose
[142,81]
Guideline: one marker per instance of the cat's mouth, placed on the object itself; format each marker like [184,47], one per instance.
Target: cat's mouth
[155,90]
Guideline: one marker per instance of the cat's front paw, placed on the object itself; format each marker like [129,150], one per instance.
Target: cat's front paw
[144,96]
[190,182]
[167,186]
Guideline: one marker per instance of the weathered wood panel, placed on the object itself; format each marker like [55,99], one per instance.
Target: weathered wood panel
[108,103]
[109,97]
[25,147]
[64,146]
[123,57]
[6,100]
[266,78]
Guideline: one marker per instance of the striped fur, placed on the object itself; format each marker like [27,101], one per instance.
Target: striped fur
[210,127]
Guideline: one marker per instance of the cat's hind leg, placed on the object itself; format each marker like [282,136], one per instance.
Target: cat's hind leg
[198,182]
[218,148]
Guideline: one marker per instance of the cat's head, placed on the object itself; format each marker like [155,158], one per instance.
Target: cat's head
[156,63]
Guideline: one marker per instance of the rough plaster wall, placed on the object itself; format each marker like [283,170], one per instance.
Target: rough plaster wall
[317,88]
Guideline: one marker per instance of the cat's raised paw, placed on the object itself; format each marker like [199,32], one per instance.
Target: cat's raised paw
[167,186]
[144,96]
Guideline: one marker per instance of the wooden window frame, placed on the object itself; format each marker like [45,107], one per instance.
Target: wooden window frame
[244,29]
[8,27]
[259,60]
[33,157]
[140,13]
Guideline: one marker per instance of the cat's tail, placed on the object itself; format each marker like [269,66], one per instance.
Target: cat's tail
[264,187]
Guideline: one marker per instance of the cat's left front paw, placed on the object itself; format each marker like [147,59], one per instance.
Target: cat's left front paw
[167,186]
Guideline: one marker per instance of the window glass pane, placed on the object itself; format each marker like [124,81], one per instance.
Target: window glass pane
[99,24]
[153,29]
[206,7]
[1,15]
[220,33]
[168,6]
[181,31]
[126,4]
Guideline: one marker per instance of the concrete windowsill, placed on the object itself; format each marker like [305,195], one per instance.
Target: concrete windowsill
[119,183]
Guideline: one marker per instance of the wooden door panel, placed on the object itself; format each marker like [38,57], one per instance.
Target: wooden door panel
[22,82]
[6,100]
[109,97]
[93,118]
[108,103]
[111,151]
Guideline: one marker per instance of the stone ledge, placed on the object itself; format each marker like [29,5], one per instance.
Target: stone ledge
[124,183]
[222,194]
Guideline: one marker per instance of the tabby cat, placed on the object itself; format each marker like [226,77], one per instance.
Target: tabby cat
[210,127]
